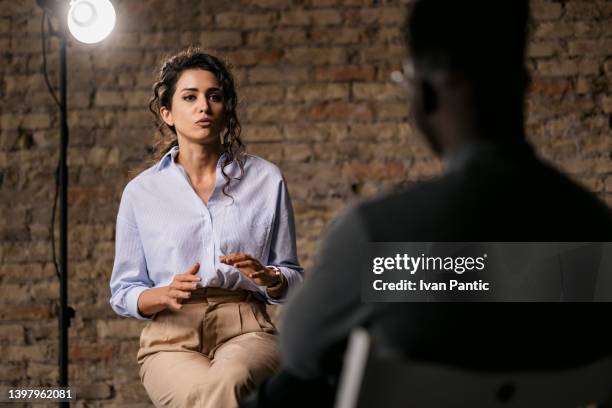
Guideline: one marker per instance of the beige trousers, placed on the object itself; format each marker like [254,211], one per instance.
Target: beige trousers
[209,354]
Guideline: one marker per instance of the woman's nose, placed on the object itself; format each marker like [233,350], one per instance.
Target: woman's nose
[204,105]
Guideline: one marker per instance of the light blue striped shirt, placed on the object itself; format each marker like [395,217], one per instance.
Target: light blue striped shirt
[163,228]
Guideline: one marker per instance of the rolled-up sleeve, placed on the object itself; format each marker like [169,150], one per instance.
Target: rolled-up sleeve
[129,277]
[283,251]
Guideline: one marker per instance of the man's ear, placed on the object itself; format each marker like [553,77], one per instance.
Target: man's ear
[166,116]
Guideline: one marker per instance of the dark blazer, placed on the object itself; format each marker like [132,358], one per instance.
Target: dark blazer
[489,192]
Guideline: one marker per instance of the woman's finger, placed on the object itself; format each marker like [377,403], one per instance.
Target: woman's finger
[185,286]
[179,294]
[248,264]
[171,302]
[236,257]
[194,269]
[175,305]
[186,278]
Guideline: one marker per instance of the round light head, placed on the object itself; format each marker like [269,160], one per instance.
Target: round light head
[91,21]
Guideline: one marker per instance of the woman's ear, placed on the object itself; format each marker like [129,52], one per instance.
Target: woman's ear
[166,115]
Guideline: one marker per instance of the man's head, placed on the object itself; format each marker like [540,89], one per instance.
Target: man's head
[469,75]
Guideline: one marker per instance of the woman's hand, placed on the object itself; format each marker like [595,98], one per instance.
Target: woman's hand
[251,268]
[154,300]
[181,287]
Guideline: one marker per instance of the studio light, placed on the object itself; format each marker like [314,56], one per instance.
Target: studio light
[91,21]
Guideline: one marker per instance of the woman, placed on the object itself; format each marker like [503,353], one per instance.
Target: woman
[204,237]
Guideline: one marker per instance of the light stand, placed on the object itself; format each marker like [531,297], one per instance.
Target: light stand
[91,23]
[64,312]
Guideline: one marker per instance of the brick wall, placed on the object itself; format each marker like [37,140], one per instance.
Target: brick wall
[313,76]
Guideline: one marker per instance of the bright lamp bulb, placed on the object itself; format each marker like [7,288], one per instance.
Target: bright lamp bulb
[91,21]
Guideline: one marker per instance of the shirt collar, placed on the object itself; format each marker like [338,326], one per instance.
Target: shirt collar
[170,156]
[460,157]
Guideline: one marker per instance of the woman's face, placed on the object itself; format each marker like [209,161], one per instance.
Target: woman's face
[197,107]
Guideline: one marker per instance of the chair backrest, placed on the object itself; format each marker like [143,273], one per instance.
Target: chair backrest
[370,381]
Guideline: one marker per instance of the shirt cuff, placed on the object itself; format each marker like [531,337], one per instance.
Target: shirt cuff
[289,276]
[131,299]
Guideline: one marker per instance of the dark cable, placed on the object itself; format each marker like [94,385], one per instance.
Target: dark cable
[50,88]
[44,55]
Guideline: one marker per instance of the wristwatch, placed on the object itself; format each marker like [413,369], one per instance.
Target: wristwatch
[279,276]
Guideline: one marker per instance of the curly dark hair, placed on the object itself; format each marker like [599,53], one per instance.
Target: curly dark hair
[163,91]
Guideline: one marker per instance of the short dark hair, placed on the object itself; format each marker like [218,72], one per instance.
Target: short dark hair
[480,39]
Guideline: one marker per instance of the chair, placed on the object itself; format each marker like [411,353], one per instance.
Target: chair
[371,381]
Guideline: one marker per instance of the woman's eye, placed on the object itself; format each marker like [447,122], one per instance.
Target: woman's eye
[215,98]
[189,98]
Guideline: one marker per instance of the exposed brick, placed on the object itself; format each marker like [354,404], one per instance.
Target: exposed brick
[26,271]
[548,87]
[606,103]
[37,352]
[245,57]
[372,132]
[257,113]
[41,371]
[380,54]
[554,30]
[12,332]
[590,47]
[391,111]
[261,93]
[541,10]
[345,73]
[583,86]
[13,293]
[300,152]
[93,391]
[262,134]
[379,15]
[11,372]
[582,10]
[341,111]
[270,4]
[325,17]
[339,35]
[92,352]
[109,99]
[320,132]
[5,25]
[28,121]
[608,184]
[290,75]
[269,151]
[277,38]
[315,55]
[378,92]
[541,49]
[295,18]
[376,171]
[557,68]
[589,67]
[123,328]
[313,92]
[220,39]
[238,20]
